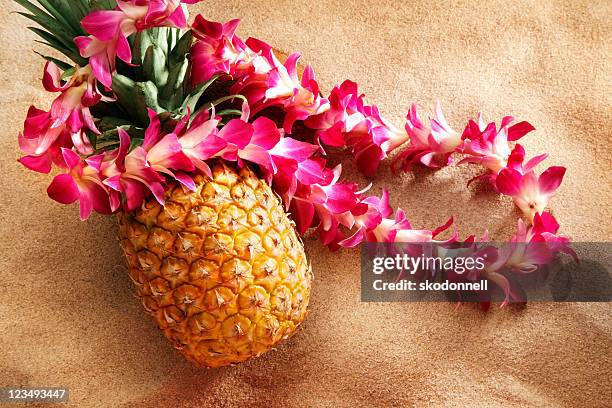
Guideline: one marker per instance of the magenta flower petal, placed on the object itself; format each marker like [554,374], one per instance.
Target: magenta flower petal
[103,24]
[545,223]
[551,179]
[123,49]
[63,189]
[40,164]
[533,162]
[237,132]
[102,68]
[185,180]
[519,130]
[134,194]
[178,18]
[290,148]
[303,215]
[508,182]
[353,240]
[71,158]
[265,133]
[52,78]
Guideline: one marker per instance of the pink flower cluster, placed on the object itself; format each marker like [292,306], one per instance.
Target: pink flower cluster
[342,214]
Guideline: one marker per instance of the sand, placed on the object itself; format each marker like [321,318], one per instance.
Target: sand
[68,316]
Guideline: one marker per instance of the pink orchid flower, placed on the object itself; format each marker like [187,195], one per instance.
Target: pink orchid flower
[371,219]
[201,141]
[431,145]
[41,142]
[293,165]
[45,133]
[218,50]
[132,174]
[529,249]
[251,142]
[109,30]
[71,108]
[530,192]
[330,205]
[164,153]
[545,228]
[44,162]
[348,122]
[487,146]
[82,183]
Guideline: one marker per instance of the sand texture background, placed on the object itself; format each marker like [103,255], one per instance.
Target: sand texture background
[68,316]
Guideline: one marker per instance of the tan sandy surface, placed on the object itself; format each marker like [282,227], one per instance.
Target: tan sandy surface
[68,316]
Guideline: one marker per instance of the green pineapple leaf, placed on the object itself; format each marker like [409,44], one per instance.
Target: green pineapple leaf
[161,75]
[64,66]
[101,4]
[60,22]
[190,102]
[136,97]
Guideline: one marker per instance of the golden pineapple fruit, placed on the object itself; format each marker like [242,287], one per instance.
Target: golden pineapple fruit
[221,269]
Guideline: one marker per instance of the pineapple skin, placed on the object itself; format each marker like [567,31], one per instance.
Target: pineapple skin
[221,269]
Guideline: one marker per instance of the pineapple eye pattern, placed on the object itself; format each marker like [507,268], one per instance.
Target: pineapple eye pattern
[222,273]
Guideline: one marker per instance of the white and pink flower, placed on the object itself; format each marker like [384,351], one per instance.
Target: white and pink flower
[349,122]
[489,147]
[530,192]
[218,50]
[81,183]
[431,145]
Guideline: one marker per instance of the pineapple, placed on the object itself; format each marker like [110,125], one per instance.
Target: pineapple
[221,270]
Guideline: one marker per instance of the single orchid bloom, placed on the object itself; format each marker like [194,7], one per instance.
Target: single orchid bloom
[330,205]
[200,141]
[371,140]
[531,246]
[250,142]
[530,192]
[545,228]
[41,143]
[431,145]
[71,108]
[295,169]
[487,146]
[39,134]
[131,174]
[106,42]
[345,113]
[377,209]
[218,50]
[306,102]
[109,30]
[529,249]
[42,139]
[145,14]
[82,183]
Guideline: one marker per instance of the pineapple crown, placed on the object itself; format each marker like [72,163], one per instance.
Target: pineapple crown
[147,99]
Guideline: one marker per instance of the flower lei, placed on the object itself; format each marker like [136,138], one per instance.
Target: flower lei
[341,214]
